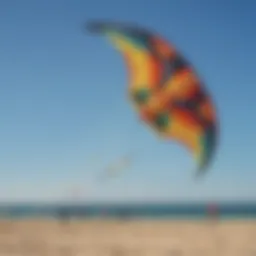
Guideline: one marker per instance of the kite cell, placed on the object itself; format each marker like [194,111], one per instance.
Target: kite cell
[165,90]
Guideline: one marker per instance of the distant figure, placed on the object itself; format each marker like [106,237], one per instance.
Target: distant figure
[123,215]
[63,215]
[213,212]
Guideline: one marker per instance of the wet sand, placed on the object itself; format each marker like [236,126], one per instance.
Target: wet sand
[129,238]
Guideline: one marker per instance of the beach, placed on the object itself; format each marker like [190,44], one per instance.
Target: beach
[133,237]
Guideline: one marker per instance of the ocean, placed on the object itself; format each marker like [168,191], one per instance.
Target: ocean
[155,211]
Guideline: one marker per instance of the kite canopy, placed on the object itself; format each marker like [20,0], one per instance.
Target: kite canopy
[166,92]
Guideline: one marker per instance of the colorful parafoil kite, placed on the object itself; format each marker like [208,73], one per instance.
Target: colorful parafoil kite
[165,90]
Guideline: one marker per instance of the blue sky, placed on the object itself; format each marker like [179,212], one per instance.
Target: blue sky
[65,116]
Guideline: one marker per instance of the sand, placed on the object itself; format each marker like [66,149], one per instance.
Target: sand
[129,238]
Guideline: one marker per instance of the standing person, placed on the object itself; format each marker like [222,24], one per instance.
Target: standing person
[213,212]
[63,215]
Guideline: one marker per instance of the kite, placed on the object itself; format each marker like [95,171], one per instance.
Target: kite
[165,89]
[116,167]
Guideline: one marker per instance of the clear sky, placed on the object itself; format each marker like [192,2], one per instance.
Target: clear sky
[65,116]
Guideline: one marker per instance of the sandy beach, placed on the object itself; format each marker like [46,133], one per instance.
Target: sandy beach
[136,237]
